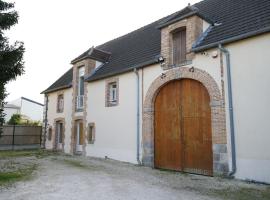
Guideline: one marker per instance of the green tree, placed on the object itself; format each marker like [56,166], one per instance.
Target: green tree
[11,55]
[15,119]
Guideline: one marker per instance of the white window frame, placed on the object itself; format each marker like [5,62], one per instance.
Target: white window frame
[113,92]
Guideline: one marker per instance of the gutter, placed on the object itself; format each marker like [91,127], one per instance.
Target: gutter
[231,115]
[138,115]
[45,120]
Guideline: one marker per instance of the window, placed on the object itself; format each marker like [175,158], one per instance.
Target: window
[50,133]
[59,132]
[81,86]
[179,46]
[112,93]
[80,96]
[79,134]
[60,103]
[91,133]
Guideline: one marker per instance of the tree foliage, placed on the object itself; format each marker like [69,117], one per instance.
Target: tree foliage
[15,119]
[18,119]
[11,55]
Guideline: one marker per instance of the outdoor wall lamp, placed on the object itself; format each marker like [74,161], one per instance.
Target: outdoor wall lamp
[191,69]
[163,76]
[161,59]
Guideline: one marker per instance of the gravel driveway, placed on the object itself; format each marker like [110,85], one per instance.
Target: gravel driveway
[57,176]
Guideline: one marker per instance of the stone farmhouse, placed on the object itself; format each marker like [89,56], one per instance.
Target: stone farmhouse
[188,92]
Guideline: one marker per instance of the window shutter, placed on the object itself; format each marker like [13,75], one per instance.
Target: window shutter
[50,134]
[179,47]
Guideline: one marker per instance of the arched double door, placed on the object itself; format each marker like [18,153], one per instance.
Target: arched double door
[182,122]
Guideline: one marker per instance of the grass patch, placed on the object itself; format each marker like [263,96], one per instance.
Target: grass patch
[242,194]
[18,175]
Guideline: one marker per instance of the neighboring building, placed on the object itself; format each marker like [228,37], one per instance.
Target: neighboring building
[26,107]
[189,92]
[9,110]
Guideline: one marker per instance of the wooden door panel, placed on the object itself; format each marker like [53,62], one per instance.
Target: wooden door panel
[197,128]
[81,139]
[183,139]
[167,133]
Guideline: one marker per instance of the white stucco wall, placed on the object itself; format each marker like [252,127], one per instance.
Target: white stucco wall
[250,82]
[67,114]
[115,126]
[250,62]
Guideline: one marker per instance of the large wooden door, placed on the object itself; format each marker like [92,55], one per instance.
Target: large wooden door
[183,139]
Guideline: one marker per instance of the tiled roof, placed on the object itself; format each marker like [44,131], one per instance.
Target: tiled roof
[134,49]
[65,81]
[231,20]
[237,18]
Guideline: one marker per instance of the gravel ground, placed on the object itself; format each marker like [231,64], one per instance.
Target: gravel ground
[79,178]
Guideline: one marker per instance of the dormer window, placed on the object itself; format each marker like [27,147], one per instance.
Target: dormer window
[179,46]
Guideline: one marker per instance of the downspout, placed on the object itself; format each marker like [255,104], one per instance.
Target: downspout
[45,120]
[229,80]
[138,114]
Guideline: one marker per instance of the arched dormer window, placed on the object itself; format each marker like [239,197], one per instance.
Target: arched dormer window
[178,46]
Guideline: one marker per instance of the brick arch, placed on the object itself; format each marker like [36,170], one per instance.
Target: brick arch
[218,122]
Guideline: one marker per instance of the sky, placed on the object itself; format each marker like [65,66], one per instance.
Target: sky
[56,31]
